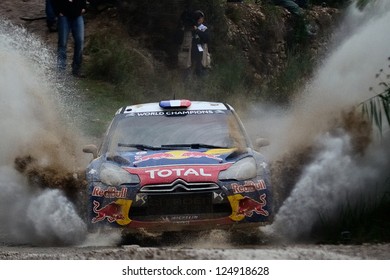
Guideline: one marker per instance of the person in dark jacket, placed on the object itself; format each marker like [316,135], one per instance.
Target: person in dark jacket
[200,36]
[70,19]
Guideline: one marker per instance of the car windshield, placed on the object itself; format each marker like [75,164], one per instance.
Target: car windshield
[215,129]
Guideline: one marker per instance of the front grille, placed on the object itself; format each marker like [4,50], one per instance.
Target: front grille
[179,185]
[180,203]
[203,200]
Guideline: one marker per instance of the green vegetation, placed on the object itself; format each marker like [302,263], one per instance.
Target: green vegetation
[137,77]
[99,103]
[113,61]
[298,68]
[377,108]
[365,220]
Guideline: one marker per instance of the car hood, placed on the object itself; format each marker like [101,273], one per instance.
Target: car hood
[153,158]
[166,166]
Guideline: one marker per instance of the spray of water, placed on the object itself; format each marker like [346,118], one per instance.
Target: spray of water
[33,127]
[334,172]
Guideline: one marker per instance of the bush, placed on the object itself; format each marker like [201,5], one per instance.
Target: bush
[358,221]
[111,59]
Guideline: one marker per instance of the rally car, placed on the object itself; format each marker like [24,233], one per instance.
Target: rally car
[177,165]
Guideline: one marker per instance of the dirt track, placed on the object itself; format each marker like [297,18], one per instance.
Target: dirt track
[135,252]
[210,246]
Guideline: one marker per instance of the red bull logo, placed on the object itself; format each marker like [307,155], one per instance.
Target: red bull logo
[116,211]
[156,156]
[244,206]
[110,192]
[249,186]
[191,154]
[211,154]
[247,206]
[111,211]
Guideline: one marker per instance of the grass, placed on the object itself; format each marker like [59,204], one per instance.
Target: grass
[98,104]
[296,71]
[377,108]
[113,60]
[357,221]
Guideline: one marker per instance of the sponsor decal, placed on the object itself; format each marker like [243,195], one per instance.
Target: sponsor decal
[116,211]
[179,219]
[110,192]
[177,172]
[247,206]
[244,206]
[156,156]
[248,186]
[174,113]
[175,155]
[168,174]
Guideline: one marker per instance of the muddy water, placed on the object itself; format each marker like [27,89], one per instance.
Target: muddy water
[36,131]
[324,155]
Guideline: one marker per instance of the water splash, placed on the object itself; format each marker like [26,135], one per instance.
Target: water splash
[335,177]
[32,121]
[336,174]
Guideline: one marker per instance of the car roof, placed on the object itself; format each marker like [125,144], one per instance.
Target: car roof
[188,105]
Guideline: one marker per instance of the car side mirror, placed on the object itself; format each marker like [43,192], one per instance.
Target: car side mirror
[261,142]
[91,149]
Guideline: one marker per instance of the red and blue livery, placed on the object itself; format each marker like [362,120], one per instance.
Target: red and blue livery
[177,165]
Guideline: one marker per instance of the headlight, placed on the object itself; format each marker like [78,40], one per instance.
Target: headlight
[113,175]
[242,170]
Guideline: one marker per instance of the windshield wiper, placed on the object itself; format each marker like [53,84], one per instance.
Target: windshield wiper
[139,146]
[193,146]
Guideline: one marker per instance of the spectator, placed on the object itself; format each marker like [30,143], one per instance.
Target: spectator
[295,7]
[192,37]
[183,39]
[200,39]
[70,19]
[51,19]
[292,6]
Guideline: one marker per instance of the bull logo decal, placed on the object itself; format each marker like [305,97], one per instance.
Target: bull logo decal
[244,206]
[116,211]
[247,206]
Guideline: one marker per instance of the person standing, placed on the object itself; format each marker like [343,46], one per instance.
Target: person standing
[200,37]
[70,20]
[51,19]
